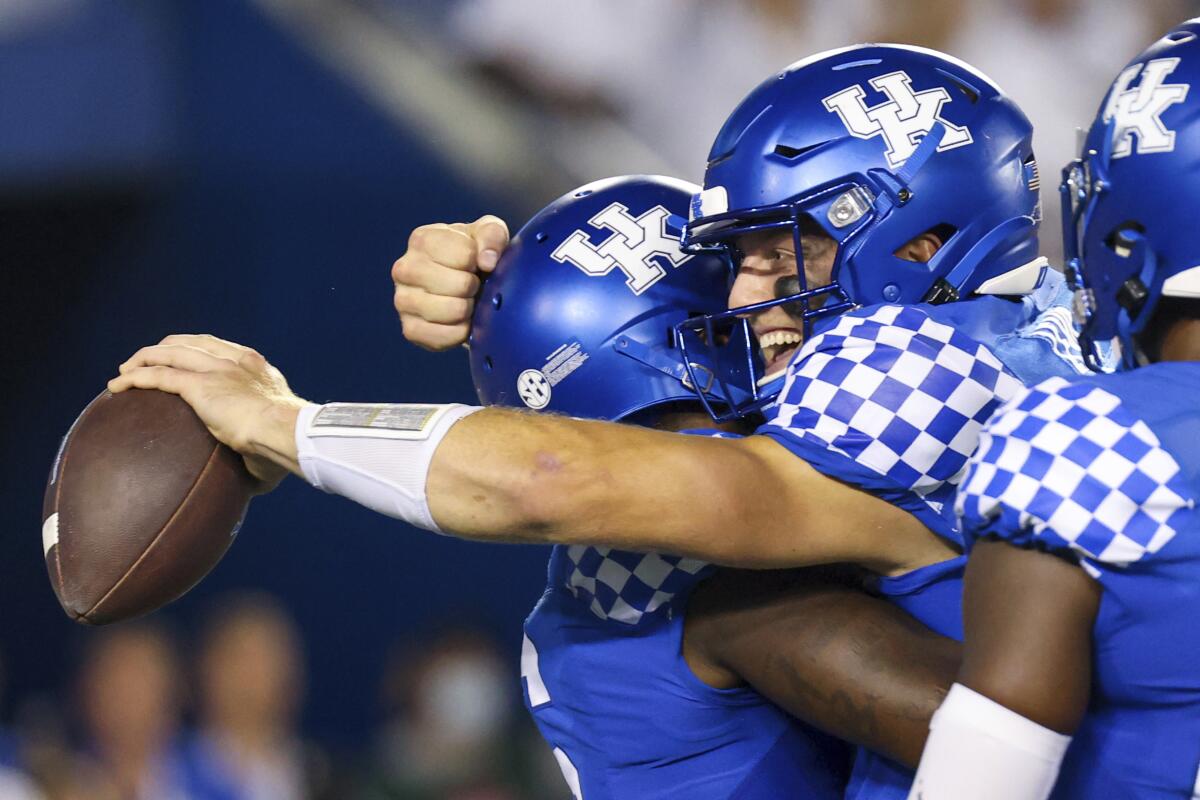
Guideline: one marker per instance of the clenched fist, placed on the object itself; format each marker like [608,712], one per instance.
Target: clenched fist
[438,278]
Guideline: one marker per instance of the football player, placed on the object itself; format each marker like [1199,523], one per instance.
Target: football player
[634,669]
[881,209]
[1080,503]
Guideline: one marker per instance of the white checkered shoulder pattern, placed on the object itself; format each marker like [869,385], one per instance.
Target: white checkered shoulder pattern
[625,586]
[629,587]
[1064,464]
[897,392]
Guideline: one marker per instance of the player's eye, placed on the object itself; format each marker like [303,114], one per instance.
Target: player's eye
[814,250]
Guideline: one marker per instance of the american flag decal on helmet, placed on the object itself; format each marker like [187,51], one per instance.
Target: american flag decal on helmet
[1033,176]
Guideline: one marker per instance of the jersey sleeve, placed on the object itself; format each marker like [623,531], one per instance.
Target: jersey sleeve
[891,400]
[1065,468]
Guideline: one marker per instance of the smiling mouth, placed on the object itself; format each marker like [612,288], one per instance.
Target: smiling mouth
[777,348]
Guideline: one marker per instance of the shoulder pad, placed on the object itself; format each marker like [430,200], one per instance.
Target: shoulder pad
[1066,462]
[897,391]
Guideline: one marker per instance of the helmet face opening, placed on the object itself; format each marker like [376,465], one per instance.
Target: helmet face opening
[726,339]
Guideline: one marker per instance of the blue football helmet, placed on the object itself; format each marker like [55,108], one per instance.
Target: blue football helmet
[1130,232]
[876,144]
[578,317]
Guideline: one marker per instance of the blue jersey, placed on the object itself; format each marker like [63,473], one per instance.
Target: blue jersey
[609,689]
[892,399]
[1105,470]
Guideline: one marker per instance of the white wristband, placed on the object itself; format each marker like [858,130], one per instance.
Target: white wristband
[377,455]
[980,749]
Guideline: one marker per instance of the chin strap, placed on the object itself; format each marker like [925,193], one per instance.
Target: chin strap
[925,150]
[652,357]
[895,184]
[1133,296]
[948,288]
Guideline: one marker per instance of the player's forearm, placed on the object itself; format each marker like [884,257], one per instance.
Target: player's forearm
[501,475]
[1025,679]
[511,475]
[1028,617]
[866,673]
[827,653]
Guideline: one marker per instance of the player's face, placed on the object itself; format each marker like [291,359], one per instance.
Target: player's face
[768,271]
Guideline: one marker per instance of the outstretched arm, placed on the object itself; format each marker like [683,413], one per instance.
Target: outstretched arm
[741,502]
[507,475]
[853,665]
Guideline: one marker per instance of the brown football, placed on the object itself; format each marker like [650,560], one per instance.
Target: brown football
[142,503]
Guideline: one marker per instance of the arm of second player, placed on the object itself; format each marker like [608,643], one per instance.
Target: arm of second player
[824,651]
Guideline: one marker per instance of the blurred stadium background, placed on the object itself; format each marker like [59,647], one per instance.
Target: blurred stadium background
[251,168]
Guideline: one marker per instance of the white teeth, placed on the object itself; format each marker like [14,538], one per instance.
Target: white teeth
[776,338]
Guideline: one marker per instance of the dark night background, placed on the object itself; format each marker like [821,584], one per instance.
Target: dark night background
[227,183]
[251,169]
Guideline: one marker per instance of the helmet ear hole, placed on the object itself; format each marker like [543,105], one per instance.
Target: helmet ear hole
[922,248]
[487,363]
[943,231]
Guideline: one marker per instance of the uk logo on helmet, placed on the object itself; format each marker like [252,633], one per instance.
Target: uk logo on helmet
[901,120]
[1138,111]
[636,247]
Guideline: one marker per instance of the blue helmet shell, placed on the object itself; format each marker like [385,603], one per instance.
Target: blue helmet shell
[878,144]
[1130,199]
[578,317]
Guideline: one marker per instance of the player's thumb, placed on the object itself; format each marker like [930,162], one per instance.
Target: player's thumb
[491,237]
